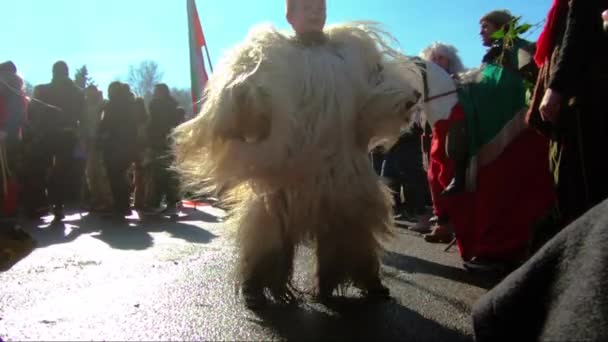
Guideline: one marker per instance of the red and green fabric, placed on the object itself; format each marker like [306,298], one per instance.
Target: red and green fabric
[513,188]
[441,168]
[514,192]
[198,74]
[495,108]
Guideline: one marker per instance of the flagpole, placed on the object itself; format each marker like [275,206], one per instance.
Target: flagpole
[208,58]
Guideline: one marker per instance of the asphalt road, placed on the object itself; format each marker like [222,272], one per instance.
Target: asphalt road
[157,279]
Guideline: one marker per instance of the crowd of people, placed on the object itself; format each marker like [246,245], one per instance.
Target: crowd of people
[70,145]
[500,174]
[69,148]
[535,171]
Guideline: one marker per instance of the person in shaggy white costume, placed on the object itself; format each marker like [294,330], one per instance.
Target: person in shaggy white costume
[284,134]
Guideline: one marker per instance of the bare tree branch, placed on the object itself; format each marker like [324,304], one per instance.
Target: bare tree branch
[143,77]
[184,98]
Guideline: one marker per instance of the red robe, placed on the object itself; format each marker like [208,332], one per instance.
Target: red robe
[441,168]
[513,193]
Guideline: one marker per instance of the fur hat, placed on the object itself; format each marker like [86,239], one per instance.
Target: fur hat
[8,67]
[499,18]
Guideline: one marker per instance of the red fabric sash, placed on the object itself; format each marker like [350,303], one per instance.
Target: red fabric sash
[546,42]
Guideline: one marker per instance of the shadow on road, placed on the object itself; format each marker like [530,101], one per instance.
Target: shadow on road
[125,237]
[54,234]
[355,319]
[129,234]
[411,264]
[182,230]
[202,216]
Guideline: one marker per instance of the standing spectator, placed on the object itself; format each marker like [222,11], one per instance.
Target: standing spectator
[13,106]
[164,117]
[36,155]
[403,169]
[568,104]
[100,195]
[140,176]
[63,134]
[11,88]
[440,170]
[117,130]
[493,221]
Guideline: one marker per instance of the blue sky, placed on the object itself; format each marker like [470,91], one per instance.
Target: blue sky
[110,35]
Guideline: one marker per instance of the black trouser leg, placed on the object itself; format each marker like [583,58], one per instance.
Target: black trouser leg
[34,180]
[62,147]
[165,179]
[117,176]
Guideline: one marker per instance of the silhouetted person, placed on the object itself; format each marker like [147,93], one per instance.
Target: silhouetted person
[13,105]
[100,196]
[403,169]
[141,177]
[116,138]
[569,104]
[62,134]
[164,117]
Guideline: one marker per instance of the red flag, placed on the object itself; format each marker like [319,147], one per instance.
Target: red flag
[198,74]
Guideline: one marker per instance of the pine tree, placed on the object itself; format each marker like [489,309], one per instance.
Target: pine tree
[82,78]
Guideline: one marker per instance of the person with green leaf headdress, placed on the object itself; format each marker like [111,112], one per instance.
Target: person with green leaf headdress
[507,71]
[501,184]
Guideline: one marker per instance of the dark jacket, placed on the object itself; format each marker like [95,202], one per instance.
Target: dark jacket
[163,119]
[582,62]
[65,95]
[578,70]
[117,129]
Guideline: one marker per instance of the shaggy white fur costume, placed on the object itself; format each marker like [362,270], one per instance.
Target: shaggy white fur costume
[284,133]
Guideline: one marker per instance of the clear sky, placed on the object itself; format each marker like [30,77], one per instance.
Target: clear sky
[110,35]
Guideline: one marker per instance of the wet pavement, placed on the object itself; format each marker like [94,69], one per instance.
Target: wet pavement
[153,278]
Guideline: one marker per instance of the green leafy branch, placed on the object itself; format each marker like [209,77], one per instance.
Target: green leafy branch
[508,34]
[513,30]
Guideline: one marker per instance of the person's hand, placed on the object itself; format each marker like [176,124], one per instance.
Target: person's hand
[605,17]
[550,105]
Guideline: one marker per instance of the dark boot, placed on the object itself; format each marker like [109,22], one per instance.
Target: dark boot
[376,290]
[58,213]
[253,295]
[270,279]
[442,233]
